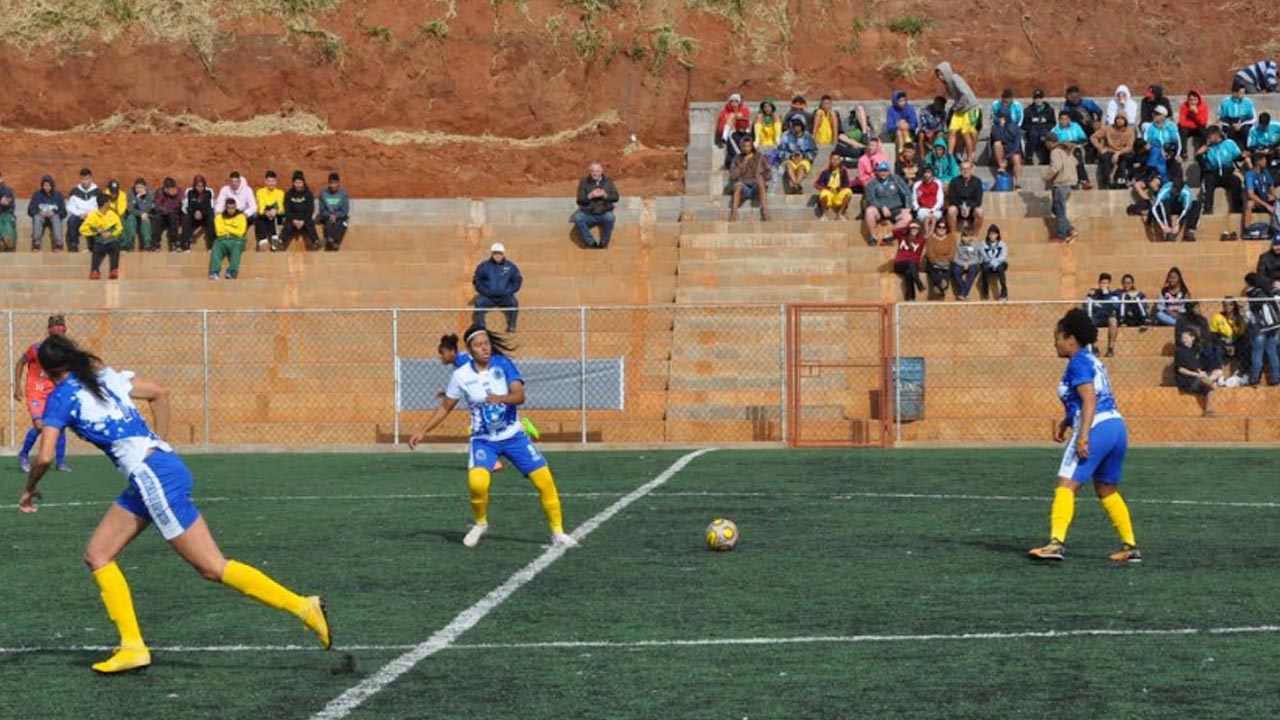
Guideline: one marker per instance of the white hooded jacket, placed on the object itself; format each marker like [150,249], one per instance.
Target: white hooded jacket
[1121,102]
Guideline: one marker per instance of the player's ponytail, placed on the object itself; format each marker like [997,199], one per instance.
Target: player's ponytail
[59,354]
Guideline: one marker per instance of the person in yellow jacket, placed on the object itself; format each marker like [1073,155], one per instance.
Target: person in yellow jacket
[768,128]
[266,224]
[102,230]
[230,226]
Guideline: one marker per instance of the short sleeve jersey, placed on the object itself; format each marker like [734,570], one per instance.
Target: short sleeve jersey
[38,383]
[1084,368]
[461,359]
[489,421]
[114,425]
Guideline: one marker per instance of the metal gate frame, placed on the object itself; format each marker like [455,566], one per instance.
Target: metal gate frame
[795,366]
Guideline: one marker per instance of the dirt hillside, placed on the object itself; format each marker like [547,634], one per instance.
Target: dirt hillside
[512,97]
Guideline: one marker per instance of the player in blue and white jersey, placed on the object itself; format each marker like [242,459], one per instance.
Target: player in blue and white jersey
[492,389]
[97,403]
[1098,440]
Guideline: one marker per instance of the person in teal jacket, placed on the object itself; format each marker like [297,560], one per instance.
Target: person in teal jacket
[1217,163]
[1235,114]
[1069,133]
[944,165]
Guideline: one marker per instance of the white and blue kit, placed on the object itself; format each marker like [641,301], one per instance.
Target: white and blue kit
[495,427]
[159,483]
[1108,437]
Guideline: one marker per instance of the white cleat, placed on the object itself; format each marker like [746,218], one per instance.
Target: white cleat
[563,540]
[474,534]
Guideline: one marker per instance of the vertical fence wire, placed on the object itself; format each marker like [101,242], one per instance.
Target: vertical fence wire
[204,363]
[395,368]
[12,379]
[897,366]
[582,362]
[783,380]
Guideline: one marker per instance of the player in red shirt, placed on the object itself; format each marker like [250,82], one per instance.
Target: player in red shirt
[38,386]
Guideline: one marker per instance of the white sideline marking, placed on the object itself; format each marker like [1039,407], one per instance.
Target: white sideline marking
[701,642]
[342,705]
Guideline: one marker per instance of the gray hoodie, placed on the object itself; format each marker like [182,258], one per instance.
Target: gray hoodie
[958,90]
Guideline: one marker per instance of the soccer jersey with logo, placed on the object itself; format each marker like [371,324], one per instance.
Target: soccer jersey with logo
[490,421]
[38,383]
[1085,368]
[113,425]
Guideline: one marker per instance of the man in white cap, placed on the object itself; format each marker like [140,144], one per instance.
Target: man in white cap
[497,280]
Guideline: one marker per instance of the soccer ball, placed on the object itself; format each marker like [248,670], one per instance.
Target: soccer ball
[722,535]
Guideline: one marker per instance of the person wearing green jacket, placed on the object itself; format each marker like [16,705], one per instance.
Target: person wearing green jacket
[230,227]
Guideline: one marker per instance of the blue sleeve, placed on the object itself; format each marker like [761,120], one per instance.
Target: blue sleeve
[57,409]
[508,367]
[461,359]
[1080,371]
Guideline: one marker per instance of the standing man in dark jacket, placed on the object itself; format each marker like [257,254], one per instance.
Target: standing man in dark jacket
[596,198]
[497,280]
[299,213]
[47,209]
[1037,122]
[964,199]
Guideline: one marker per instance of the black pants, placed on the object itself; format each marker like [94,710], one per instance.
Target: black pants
[1185,134]
[266,228]
[910,273]
[1106,168]
[1227,179]
[103,249]
[334,231]
[189,227]
[1081,171]
[308,228]
[939,277]
[170,225]
[1240,135]
[73,233]
[1036,149]
[484,302]
[989,278]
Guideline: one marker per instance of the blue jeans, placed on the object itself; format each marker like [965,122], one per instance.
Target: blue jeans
[484,302]
[964,279]
[1267,343]
[585,221]
[1060,195]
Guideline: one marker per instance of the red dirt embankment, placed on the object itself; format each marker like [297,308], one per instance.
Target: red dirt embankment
[517,70]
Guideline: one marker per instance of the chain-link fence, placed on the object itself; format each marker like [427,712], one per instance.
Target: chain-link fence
[988,373]
[297,378]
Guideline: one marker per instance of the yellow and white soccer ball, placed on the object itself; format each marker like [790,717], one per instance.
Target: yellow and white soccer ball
[722,535]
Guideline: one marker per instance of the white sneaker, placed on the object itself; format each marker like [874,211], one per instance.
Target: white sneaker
[563,540]
[474,534]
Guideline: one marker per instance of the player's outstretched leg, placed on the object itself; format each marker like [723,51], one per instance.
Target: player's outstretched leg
[1060,516]
[478,480]
[550,499]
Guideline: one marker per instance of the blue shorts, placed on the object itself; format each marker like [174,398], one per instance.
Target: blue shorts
[518,449]
[160,491]
[1108,443]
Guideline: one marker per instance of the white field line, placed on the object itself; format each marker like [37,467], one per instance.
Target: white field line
[679,494]
[700,642]
[353,698]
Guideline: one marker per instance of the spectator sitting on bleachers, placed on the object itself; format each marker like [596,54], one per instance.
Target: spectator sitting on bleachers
[834,189]
[1189,375]
[1103,309]
[1264,327]
[1260,77]
[335,213]
[767,131]
[870,160]
[939,253]
[927,195]
[1152,98]
[1211,354]
[1264,139]
[1175,210]
[1173,297]
[1082,111]
[1193,122]
[966,114]
[1268,266]
[906,262]
[967,264]
[901,121]
[1235,115]
[197,213]
[1006,146]
[1037,123]
[299,213]
[596,198]
[799,108]
[237,188]
[1145,176]
[750,178]
[995,264]
[8,219]
[932,123]
[1007,105]
[796,169]
[740,134]
[944,165]
[1259,194]
[231,226]
[907,164]
[1059,178]
[270,201]
[138,222]
[887,199]
[826,123]
[168,214]
[1115,152]
[102,230]
[854,136]
[1217,160]
[46,209]
[1230,330]
[797,140]
[1134,311]
[82,201]
[1121,104]
[497,280]
[727,122]
[964,199]
[1069,134]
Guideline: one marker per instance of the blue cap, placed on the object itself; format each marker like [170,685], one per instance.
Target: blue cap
[882,165]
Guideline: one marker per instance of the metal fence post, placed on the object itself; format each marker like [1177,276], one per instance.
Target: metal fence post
[582,359]
[12,378]
[395,368]
[782,369]
[895,370]
[204,331]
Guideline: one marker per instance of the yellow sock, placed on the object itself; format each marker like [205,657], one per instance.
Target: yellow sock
[1064,509]
[478,481]
[1118,511]
[550,499]
[254,583]
[119,602]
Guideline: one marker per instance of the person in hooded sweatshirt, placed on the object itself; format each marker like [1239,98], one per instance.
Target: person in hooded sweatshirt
[335,212]
[1152,98]
[299,213]
[168,215]
[901,120]
[47,209]
[966,114]
[1193,121]
[1122,103]
[197,213]
[8,220]
[82,201]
